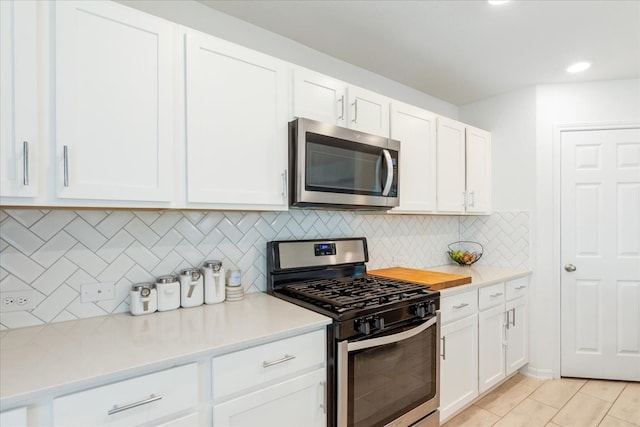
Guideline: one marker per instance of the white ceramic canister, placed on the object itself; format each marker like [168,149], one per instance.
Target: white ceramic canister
[144,298]
[214,282]
[191,288]
[168,288]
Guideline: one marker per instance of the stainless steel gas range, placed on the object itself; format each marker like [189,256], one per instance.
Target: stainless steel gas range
[383,347]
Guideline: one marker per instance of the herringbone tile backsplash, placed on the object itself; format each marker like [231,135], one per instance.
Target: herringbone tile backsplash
[54,252]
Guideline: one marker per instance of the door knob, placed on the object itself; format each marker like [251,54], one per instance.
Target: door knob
[570,268]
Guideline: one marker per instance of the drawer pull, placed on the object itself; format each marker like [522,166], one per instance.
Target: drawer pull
[117,408]
[495,295]
[521,287]
[286,358]
[444,348]
[458,307]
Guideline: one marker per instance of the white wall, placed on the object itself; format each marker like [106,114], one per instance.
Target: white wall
[202,18]
[580,103]
[511,119]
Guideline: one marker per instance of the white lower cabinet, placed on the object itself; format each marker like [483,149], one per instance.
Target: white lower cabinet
[295,402]
[276,384]
[166,398]
[459,353]
[503,327]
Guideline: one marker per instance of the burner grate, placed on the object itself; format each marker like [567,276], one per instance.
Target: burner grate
[356,292]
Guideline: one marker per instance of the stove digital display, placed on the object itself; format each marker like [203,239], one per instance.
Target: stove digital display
[322,249]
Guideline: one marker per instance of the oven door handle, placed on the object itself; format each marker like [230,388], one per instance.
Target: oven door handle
[360,345]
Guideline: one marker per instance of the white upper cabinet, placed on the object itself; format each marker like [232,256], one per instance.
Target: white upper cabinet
[416,130]
[463,168]
[319,97]
[114,105]
[325,99]
[18,109]
[236,126]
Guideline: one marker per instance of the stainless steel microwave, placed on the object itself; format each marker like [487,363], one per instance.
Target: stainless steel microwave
[338,168]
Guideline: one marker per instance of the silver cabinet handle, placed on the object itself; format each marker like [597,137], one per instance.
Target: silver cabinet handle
[117,408]
[495,295]
[341,101]
[472,196]
[323,401]
[286,358]
[507,316]
[518,288]
[355,111]
[514,317]
[459,306]
[65,154]
[25,163]
[444,348]
[284,183]
[570,268]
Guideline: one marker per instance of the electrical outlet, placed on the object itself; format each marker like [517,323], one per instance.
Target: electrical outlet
[94,292]
[17,300]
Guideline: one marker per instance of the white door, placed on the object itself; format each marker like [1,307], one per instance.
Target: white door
[236,125]
[451,169]
[319,97]
[458,365]
[491,341]
[368,111]
[478,170]
[114,106]
[19,108]
[415,129]
[297,402]
[600,250]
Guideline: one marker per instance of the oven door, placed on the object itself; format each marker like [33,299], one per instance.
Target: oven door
[340,167]
[390,379]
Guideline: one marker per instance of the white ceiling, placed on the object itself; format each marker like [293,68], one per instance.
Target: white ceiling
[461,51]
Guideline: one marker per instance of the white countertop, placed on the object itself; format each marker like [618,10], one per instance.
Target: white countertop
[480,276]
[37,362]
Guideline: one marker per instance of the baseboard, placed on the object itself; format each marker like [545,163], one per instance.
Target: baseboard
[541,374]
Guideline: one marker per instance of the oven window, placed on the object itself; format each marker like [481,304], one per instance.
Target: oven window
[388,381]
[339,166]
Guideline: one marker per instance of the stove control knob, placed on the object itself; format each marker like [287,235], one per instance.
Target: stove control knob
[378,322]
[364,327]
[421,311]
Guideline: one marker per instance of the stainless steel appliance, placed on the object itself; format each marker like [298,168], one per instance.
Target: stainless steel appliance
[335,167]
[383,346]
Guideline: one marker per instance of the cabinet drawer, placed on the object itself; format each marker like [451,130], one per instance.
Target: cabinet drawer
[131,402]
[458,306]
[491,296]
[254,366]
[517,288]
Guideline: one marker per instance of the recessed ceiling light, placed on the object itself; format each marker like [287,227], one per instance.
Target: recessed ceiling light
[578,67]
[497,2]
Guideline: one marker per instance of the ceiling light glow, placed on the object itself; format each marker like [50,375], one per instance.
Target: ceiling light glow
[497,2]
[578,67]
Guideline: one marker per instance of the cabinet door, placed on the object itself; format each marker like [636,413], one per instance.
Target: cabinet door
[236,125]
[297,402]
[478,157]
[114,106]
[368,111]
[459,365]
[517,332]
[450,166]
[14,418]
[415,129]
[318,97]
[18,108]
[491,342]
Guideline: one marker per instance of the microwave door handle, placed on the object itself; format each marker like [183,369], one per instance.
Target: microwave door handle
[389,179]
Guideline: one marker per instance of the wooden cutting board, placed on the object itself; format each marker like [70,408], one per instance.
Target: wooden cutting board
[434,279]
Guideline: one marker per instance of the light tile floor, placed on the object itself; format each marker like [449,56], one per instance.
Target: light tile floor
[524,401]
